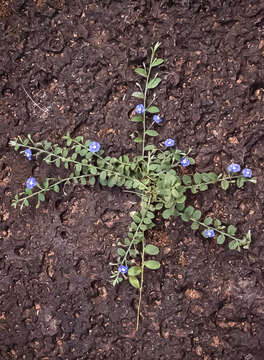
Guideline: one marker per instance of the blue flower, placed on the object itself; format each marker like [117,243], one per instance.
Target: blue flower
[157,119]
[140,109]
[233,168]
[28,154]
[247,173]
[209,233]
[185,162]
[123,269]
[94,146]
[31,182]
[169,142]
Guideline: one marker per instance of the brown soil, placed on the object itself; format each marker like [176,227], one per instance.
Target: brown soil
[76,58]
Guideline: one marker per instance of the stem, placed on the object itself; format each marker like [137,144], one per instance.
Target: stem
[77,162]
[141,283]
[145,102]
[219,231]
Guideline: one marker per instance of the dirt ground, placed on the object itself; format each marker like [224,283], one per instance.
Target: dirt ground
[77,59]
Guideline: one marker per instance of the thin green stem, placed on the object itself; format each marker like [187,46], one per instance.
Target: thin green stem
[141,283]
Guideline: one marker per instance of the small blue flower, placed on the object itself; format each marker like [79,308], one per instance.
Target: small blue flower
[169,142]
[233,168]
[94,146]
[28,154]
[247,173]
[185,162]
[157,119]
[140,109]
[209,233]
[123,269]
[31,182]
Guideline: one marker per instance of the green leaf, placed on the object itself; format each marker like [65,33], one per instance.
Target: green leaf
[197,178]
[136,219]
[157,62]
[152,264]
[138,140]
[83,181]
[185,217]
[92,180]
[153,83]
[231,230]
[112,181]
[208,220]
[26,203]
[138,94]
[187,180]
[217,223]
[221,239]
[57,162]
[153,110]
[28,191]
[56,188]
[233,245]
[141,71]
[134,271]
[78,168]
[189,210]
[151,249]
[197,215]
[41,197]
[93,170]
[203,187]
[102,176]
[168,212]
[195,226]
[150,147]
[158,206]
[152,133]
[137,118]
[121,252]
[240,182]
[224,184]
[134,282]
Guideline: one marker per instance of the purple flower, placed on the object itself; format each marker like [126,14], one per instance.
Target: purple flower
[247,173]
[169,142]
[31,182]
[209,233]
[157,119]
[140,109]
[28,154]
[94,146]
[185,162]
[233,168]
[123,269]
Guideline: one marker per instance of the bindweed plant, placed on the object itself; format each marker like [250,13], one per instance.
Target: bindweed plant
[155,175]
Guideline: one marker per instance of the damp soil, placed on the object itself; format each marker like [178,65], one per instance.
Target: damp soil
[77,59]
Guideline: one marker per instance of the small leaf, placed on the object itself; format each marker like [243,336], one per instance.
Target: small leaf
[233,245]
[41,197]
[208,220]
[121,252]
[153,110]
[134,271]
[195,226]
[92,180]
[141,71]
[157,62]
[151,249]
[138,140]
[158,206]
[203,187]
[152,133]
[187,180]
[83,181]
[134,282]
[185,217]
[224,184]
[26,203]
[78,168]
[197,178]
[138,94]
[221,239]
[197,215]
[217,223]
[152,264]
[57,162]
[231,230]
[153,83]
[150,147]
[137,118]
[56,188]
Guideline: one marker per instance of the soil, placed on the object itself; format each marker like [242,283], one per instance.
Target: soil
[77,59]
